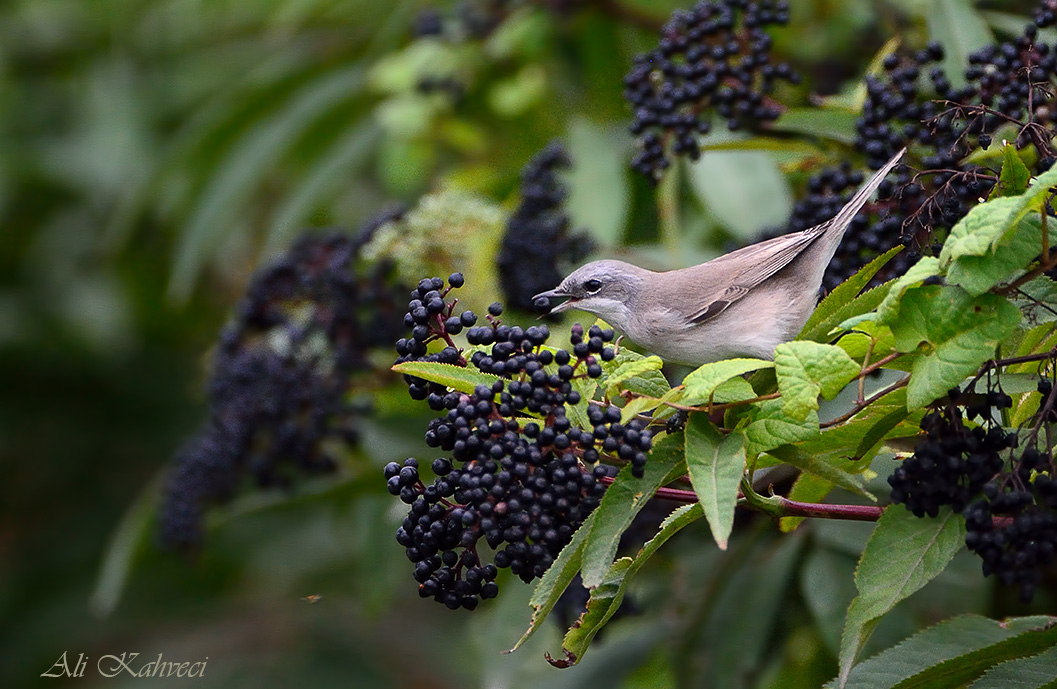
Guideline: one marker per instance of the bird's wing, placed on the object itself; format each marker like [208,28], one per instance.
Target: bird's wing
[761,261]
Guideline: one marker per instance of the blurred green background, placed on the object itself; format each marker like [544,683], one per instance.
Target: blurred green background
[154,152]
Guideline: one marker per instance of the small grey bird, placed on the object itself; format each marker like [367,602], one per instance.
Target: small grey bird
[744,303]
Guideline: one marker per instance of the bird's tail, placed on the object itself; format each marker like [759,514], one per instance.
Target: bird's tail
[839,223]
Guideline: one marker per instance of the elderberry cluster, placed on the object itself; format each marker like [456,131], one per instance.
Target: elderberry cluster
[514,478]
[1016,546]
[280,379]
[1009,504]
[715,58]
[537,243]
[950,465]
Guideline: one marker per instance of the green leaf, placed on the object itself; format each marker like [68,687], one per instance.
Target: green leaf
[461,378]
[605,600]
[650,381]
[623,500]
[599,155]
[960,332]
[1034,671]
[743,190]
[770,427]
[637,406]
[1014,178]
[716,465]
[888,310]
[627,370]
[817,465]
[955,652]
[989,246]
[826,123]
[806,370]
[903,554]
[555,580]
[701,384]
[132,537]
[960,29]
[1038,302]
[846,301]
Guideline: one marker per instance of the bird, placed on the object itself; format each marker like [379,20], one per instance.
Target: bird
[742,304]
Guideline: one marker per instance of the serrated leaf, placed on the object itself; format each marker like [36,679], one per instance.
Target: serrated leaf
[820,467]
[1037,300]
[700,385]
[650,382]
[627,370]
[845,301]
[1014,177]
[962,639]
[983,250]
[461,378]
[961,332]
[903,554]
[770,427]
[888,310]
[806,370]
[716,465]
[1034,671]
[605,600]
[555,580]
[624,498]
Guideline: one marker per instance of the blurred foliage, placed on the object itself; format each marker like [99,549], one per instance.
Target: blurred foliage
[156,151]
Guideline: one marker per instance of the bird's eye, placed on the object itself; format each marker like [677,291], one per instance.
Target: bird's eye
[592,286]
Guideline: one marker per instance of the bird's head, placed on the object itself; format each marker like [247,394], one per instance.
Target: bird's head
[604,288]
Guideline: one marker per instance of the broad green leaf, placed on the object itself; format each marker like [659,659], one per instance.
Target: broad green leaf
[637,406]
[820,467]
[605,600]
[806,370]
[461,378]
[826,123]
[983,250]
[650,382]
[627,370]
[555,580]
[716,465]
[956,672]
[903,554]
[960,332]
[770,427]
[845,301]
[1033,671]
[960,29]
[787,147]
[623,500]
[851,446]
[888,310]
[966,642]
[700,385]
[599,155]
[1038,302]
[743,190]
[1014,178]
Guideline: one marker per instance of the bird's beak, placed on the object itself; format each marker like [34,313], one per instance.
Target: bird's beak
[558,294]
